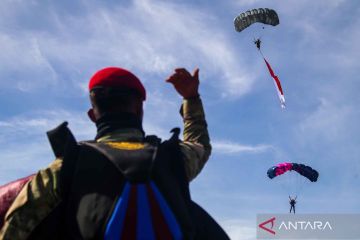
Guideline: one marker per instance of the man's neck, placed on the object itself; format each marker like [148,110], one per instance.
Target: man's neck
[115,122]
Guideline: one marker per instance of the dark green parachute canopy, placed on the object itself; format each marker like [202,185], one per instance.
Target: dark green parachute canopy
[261,15]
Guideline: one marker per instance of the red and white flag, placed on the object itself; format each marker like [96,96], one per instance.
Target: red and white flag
[277,85]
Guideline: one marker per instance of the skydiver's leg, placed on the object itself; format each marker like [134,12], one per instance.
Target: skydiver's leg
[292,208]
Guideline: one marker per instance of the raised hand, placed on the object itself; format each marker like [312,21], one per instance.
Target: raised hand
[186,85]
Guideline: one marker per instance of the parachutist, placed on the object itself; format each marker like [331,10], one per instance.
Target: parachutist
[258,43]
[292,203]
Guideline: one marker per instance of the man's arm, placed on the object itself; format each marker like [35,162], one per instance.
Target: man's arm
[38,198]
[196,145]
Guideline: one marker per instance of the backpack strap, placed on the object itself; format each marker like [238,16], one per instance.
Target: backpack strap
[59,138]
[65,146]
[172,150]
[176,133]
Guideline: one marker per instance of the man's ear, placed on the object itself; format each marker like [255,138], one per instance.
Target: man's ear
[91,115]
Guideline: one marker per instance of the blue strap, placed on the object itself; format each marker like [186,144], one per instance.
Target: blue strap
[116,222]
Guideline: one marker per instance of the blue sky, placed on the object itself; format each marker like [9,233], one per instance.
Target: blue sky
[49,50]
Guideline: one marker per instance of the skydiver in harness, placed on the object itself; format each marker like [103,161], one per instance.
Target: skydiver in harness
[292,203]
[257,42]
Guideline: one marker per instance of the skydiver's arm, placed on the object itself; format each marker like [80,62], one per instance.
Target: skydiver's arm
[38,198]
[196,145]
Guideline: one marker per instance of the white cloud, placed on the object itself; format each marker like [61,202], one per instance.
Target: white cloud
[227,147]
[329,122]
[291,7]
[148,36]
[24,63]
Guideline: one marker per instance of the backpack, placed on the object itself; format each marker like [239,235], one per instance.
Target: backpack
[142,206]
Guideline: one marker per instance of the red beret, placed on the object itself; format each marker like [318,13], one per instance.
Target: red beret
[119,78]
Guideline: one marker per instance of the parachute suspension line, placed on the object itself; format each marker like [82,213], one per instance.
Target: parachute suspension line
[297,176]
[261,54]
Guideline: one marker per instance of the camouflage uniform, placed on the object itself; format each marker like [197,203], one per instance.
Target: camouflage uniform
[41,195]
